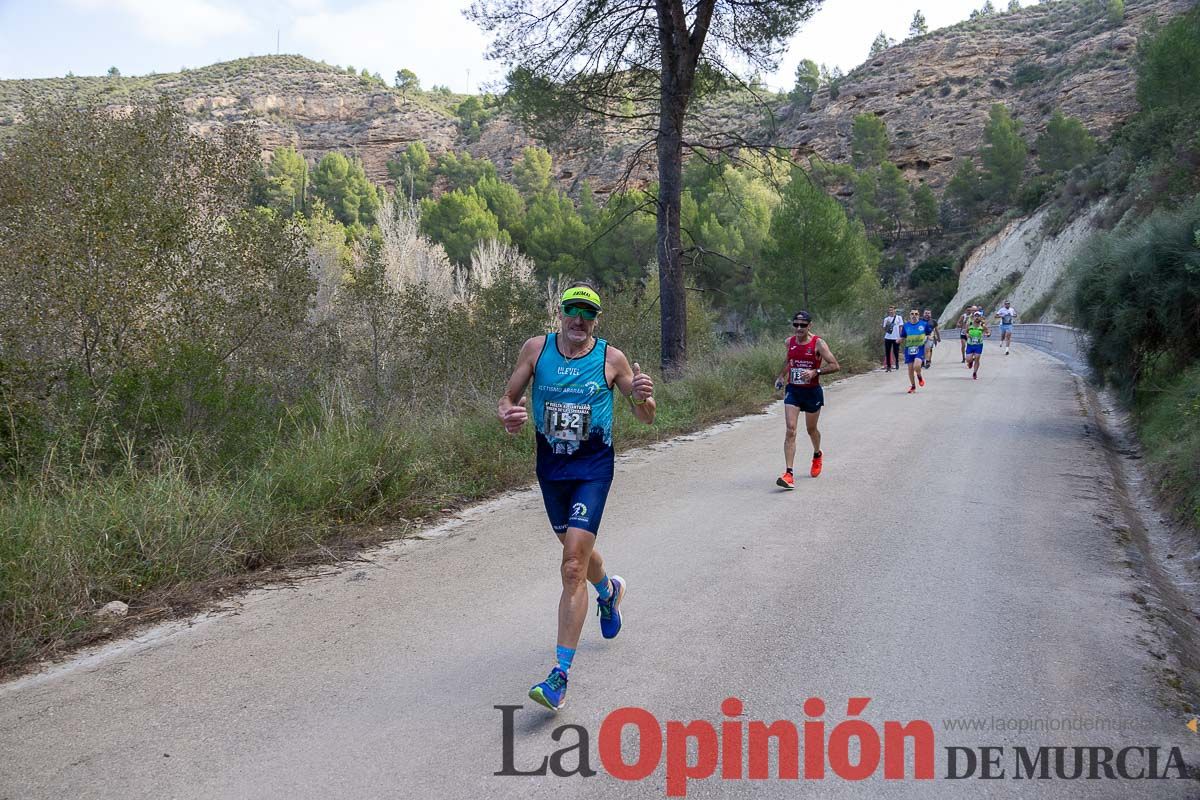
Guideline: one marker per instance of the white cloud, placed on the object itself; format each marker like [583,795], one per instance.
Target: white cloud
[182,22]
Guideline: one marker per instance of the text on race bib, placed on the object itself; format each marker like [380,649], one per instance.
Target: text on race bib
[568,421]
[797,375]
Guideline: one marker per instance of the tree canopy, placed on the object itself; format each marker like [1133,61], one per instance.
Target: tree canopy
[407,81]
[918,26]
[574,63]
[1003,154]
[868,141]
[342,185]
[817,256]
[1064,144]
[882,42]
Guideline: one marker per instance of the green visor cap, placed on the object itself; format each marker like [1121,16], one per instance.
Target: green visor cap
[581,295]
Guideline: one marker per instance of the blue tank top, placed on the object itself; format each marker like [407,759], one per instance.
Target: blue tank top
[914,336]
[573,414]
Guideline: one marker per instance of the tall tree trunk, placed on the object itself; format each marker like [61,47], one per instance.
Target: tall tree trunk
[678,65]
[670,262]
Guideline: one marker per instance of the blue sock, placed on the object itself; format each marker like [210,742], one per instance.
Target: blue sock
[565,656]
[603,588]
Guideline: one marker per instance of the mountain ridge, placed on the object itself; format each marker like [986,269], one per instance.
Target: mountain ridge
[933,91]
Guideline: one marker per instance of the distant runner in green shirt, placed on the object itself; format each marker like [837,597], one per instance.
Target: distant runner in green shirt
[976,330]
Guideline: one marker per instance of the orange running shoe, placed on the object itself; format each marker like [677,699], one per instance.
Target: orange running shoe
[912,390]
[786,481]
[816,467]
[920,380]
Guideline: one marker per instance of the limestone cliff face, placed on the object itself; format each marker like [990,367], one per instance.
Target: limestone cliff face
[286,100]
[934,93]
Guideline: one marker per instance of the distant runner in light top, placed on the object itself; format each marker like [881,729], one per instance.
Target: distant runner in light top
[1006,315]
[574,375]
[808,358]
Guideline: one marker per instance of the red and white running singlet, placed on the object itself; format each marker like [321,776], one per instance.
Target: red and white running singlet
[802,357]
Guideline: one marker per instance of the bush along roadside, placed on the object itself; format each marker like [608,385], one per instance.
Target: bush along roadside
[161,538]
[1168,424]
[1137,293]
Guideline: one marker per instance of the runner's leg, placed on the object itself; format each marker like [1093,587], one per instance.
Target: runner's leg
[810,423]
[791,416]
[578,566]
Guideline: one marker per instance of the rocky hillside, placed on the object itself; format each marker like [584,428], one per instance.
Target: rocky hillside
[934,92]
[1023,263]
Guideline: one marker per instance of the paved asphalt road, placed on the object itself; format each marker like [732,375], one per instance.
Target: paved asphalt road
[955,560]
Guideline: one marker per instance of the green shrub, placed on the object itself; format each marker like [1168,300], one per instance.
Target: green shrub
[1138,295]
[1026,73]
[1168,421]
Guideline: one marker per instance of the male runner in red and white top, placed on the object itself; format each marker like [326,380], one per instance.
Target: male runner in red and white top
[808,358]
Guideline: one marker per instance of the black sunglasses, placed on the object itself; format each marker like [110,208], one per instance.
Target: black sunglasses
[799,324]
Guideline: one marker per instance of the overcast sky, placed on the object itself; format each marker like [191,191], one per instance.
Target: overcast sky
[48,38]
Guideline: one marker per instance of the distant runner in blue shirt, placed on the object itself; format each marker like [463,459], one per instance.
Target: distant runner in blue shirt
[933,336]
[574,375]
[913,343]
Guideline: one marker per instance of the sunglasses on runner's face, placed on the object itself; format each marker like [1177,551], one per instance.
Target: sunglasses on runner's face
[587,312]
[799,324]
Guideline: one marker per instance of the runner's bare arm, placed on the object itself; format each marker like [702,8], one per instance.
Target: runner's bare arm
[511,408]
[633,383]
[782,377]
[827,356]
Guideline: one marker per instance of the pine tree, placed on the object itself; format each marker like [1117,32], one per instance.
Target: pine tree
[868,141]
[925,208]
[893,198]
[881,43]
[918,26]
[1064,144]
[963,192]
[1003,155]
[808,80]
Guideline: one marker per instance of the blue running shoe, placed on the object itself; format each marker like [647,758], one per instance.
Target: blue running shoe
[610,609]
[552,692]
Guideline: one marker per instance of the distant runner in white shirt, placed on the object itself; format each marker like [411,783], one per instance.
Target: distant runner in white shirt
[1006,316]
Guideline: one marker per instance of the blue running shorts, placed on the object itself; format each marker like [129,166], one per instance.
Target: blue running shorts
[575,504]
[809,399]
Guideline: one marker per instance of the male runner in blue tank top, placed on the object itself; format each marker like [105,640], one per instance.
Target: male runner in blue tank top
[574,375]
[913,342]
